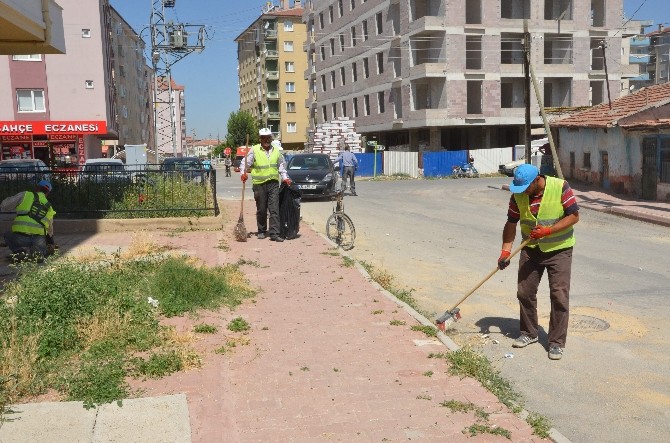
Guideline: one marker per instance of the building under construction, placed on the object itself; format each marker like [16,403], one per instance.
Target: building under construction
[437,74]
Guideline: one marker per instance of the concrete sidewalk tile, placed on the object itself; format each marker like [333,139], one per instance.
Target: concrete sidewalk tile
[52,422]
[144,420]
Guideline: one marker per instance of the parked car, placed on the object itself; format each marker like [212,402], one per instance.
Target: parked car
[314,174]
[536,148]
[102,170]
[24,170]
[190,168]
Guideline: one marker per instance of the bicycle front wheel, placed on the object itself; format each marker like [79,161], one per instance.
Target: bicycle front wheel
[340,230]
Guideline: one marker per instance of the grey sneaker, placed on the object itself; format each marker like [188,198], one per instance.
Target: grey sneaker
[523,341]
[260,235]
[555,353]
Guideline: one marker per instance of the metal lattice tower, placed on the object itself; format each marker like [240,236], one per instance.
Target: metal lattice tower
[169,44]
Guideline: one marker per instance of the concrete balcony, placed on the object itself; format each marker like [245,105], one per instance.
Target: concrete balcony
[274,115]
[427,23]
[271,54]
[271,34]
[427,70]
[640,41]
[273,95]
[272,75]
[25,29]
[639,58]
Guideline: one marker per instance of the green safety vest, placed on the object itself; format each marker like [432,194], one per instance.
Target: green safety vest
[33,217]
[264,168]
[551,211]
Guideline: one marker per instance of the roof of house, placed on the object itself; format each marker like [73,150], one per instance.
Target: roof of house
[601,116]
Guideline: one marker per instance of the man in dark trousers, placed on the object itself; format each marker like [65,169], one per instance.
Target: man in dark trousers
[547,209]
[350,163]
[266,165]
[31,236]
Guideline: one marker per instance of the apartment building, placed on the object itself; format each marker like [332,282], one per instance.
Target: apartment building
[170,105]
[133,87]
[651,52]
[271,70]
[58,107]
[448,74]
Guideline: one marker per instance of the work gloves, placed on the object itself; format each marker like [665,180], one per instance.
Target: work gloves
[540,231]
[503,260]
[244,177]
[288,182]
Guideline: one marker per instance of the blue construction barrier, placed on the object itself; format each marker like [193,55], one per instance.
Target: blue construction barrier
[366,164]
[440,164]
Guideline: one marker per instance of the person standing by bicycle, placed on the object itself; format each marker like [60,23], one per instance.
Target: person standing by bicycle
[350,164]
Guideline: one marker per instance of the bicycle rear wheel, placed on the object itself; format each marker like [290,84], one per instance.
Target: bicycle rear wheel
[340,229]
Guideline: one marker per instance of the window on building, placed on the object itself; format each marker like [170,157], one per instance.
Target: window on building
[353,4]
[122,71]
[290,87]
[515,9]
[344,108]
[365,30]
[288,46]
[288,26]
[289,66]
[380,63]
[355,106]
[85,33]
[366,104]
[334,109]
[330,14]
[323,83]
[332,46]
[340,9]
[323,52]
[28,57]
[342,76]
[664,152]
[587,160]
[366,68]
[290,106]
[291,127]
[353,36]
[30,100]
[380,24]
[341,42]
[380,101]
[321,19]
[124,111]
[354,73]
[332,80]
[88,84]
[324,113]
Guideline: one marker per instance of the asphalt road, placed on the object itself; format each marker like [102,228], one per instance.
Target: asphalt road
[441,237]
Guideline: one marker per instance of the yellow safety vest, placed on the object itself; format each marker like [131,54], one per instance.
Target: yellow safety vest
[37,221]
[551,211]
[264,169]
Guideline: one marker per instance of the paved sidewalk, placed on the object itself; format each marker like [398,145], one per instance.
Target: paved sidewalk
[323,362]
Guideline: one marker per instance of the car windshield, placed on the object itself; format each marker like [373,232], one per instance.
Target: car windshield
[104,167]
[18,166]
[305,162]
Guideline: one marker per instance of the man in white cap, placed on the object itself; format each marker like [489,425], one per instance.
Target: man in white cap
[547,209]
[266,165]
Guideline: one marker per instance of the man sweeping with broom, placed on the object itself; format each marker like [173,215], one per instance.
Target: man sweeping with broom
[266,165]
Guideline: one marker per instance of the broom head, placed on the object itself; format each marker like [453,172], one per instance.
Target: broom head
[240,231]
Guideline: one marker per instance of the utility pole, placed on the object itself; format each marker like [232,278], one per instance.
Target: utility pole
[169,44]
[526,89]
[603,45]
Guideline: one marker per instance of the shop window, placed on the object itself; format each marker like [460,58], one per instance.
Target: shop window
[30,100]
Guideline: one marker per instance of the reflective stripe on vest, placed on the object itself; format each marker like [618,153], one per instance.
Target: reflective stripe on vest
[550,212]
[23,223]
[264,168]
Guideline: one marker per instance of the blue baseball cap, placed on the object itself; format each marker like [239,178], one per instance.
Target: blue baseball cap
[523,176]
[45,184]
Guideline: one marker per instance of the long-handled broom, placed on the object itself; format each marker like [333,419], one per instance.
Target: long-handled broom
[240,230]
[454,314]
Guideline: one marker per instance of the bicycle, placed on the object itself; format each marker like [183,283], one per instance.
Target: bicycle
[339,227]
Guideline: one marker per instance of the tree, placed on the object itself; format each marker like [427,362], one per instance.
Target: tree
[218,149]
[240,125]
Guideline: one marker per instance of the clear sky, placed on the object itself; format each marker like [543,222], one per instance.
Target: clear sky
[210,78]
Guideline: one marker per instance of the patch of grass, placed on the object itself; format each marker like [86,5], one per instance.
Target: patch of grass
[348,262]
[377,312]
[479,428]
[428,373]
[397,323]
[424,397]
[79,325]
[253,263]
[304,369]
[204,328]
[466,362]
[239,325]
[541,425]
[430,331]
[387,281]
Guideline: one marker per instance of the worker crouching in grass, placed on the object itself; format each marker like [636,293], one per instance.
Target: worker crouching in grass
[547,209]
[31,236]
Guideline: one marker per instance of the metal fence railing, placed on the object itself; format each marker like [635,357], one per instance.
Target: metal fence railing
[134,191]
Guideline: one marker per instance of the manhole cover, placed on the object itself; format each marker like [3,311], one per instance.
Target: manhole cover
[586,323]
